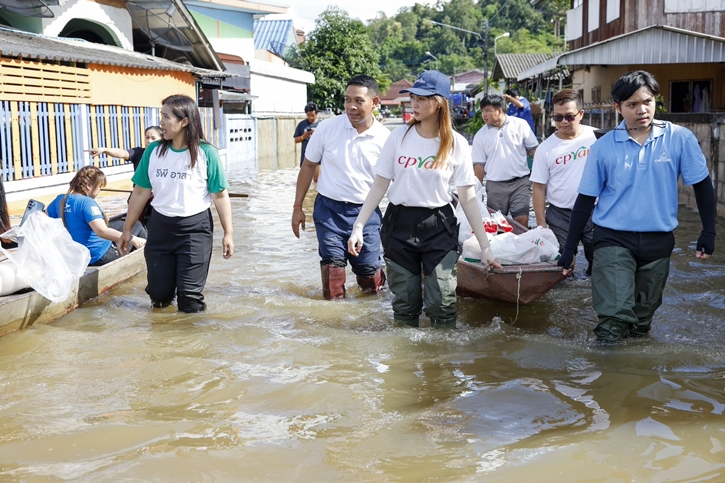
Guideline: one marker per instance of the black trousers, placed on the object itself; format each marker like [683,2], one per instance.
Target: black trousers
[178,253]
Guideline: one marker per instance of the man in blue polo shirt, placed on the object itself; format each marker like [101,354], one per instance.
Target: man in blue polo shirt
[634,170]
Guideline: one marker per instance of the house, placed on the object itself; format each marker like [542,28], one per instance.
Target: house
[681,42]
[265,104]
[73,76]
[392,98]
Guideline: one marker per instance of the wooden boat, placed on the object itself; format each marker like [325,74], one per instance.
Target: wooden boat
[27,308]
[522,283]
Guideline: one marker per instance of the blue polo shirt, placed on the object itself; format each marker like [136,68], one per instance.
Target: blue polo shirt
[637,185]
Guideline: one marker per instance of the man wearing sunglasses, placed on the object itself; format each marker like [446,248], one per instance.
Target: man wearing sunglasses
[557,170]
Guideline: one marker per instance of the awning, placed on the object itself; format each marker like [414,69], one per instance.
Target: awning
[658,44]
[236,96]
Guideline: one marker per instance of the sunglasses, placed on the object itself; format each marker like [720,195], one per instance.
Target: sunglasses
[560,117]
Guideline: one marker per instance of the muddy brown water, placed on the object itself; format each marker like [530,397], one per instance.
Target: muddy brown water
[274,384]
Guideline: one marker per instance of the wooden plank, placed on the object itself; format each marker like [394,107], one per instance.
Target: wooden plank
[69,138]
[35,139]
[142,118]
[40,89]
[10,81]
[75,99]
[15,127]
[53,146]
[132,127]
[119,121]
[95,141]
[107,128]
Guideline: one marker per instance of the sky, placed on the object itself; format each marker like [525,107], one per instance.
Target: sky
[305,12]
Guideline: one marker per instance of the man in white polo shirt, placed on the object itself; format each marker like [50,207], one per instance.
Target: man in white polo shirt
[557,170]
[348,146]
[499,149]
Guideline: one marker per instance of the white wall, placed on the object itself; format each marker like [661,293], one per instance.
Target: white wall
[244,48]
[117,20]
[279,89]
[574,20]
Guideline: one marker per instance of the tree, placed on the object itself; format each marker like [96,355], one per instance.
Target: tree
[337,49]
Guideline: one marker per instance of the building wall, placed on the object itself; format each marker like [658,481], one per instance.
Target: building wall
[597,20]
[243,48]
[136,87]
[114,19]
[605,76]
[276,145]
[279,89]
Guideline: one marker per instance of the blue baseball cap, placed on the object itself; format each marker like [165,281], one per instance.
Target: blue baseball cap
[430,83]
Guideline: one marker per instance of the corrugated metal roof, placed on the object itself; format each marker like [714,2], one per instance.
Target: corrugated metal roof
[14,43]
[658,44]
[274,35]
[509,66]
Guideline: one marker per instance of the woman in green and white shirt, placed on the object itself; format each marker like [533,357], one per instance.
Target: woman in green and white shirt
[186,176]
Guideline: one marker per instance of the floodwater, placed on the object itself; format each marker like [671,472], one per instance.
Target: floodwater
[274,384]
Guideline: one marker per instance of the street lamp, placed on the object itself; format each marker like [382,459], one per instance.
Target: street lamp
[496,40]
[431,55]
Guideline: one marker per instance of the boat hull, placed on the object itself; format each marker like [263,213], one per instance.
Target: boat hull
[505,285]
[30,308]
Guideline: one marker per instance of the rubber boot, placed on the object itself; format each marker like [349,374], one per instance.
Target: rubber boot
[190,302]
[333,282]
[373,284]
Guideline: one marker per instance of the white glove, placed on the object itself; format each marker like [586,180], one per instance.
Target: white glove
[355,242]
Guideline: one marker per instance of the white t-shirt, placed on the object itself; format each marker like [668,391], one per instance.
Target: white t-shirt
[178,189]
[559,164]
[418,180]
[503,150]
[347,158]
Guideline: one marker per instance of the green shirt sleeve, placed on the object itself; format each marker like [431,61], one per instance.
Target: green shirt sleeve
[216,178]
[141,176]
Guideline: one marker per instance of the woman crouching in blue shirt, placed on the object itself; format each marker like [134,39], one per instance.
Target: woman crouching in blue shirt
[84,219]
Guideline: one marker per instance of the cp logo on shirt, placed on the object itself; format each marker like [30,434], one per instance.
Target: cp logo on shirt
[420,162]
[582,152]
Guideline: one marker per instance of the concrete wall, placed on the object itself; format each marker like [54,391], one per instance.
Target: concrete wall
[276,146]
[710,132]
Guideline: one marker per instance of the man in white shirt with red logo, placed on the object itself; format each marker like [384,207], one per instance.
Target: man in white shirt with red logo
[557,171]
[348,146]
[499,149]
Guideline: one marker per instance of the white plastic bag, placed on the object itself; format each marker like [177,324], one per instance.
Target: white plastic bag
[510,249]
[47,258]
[545,239]
[471,250]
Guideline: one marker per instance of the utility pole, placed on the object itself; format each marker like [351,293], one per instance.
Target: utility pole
[485,56]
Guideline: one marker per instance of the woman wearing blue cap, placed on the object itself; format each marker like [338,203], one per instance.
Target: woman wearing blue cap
[420,232]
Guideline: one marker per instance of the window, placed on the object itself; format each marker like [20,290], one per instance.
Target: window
[597,95]
[691,96]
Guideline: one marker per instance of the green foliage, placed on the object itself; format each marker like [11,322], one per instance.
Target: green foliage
[403,39]
[338,49]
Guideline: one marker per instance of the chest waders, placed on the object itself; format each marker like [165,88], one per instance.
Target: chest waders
[421,251]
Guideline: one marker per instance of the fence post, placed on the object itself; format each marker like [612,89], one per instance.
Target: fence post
[84,137]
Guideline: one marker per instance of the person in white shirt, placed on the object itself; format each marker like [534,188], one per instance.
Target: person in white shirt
[557,170]
[420,230]
[186,176]
[348,147]
[499,149]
